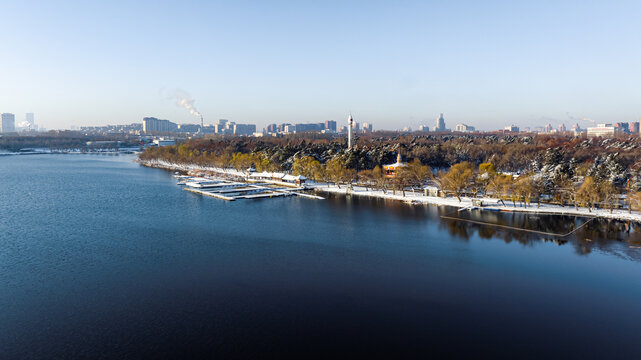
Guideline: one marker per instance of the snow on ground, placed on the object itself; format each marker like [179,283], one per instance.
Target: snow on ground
[192,167]
[419,198]
[488,203]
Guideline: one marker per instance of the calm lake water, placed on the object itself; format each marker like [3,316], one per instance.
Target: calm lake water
[102,258]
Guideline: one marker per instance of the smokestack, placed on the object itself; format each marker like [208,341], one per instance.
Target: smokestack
[201,122]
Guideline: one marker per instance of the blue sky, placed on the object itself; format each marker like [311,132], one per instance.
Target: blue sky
[393,64]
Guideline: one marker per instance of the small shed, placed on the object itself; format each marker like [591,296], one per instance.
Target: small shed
[433,191]
[294,179]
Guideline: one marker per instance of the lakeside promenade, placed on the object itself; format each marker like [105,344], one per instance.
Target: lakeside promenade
[415,197]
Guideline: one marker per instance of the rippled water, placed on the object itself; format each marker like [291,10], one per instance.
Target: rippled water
[101,258]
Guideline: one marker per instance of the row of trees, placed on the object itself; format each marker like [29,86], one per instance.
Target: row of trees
[464,179]
[551,177]
[184,153]
[62,140]
[506,152]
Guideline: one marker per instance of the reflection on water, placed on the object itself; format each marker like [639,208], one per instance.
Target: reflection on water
[529,222]
[584,234]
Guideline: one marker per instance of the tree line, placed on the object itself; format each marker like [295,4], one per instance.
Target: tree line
[551,174]
[584,188]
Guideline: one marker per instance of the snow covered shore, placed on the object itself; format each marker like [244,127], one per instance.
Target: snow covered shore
[488,203]
[161,164]
[415,197]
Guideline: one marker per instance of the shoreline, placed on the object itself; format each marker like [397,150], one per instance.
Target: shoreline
[490,204]
[71,152]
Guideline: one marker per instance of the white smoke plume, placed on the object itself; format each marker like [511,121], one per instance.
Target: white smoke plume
[25,124]
[184,100]
[580,118]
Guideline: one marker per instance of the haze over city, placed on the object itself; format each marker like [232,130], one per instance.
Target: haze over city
[487,64]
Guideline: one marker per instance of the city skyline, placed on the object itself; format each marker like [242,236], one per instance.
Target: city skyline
[227,127]
[393,65]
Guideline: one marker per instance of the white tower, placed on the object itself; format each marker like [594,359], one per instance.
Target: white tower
[350,123]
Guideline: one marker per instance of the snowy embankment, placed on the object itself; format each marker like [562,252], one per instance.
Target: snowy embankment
[414,197]
[192,167]
[488,203]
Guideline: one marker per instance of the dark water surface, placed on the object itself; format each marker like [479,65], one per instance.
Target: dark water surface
[101,258]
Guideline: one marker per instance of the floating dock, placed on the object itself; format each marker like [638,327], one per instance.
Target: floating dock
[234,190]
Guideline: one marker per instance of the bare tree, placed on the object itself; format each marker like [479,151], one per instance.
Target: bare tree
[634,200]
[335,170]
[609,194]
[458,178]
[524,188]
[306,166]
[499,185]
[365,178]
[379,178]
[588,193]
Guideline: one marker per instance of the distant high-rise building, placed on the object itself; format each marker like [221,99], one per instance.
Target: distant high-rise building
[208,129]
[154,125]
[299,128]
[330,125]
[283,127]
[622,127]
[244,129]
[634,127]
[548,128]
[271,128]
[8,123]
[512,128]
[562,128]
[189,128]
[440,123]
[464,128]
[424,128]
[603,130]
[576,129]
[224,126]
[367,128]
[356,127]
